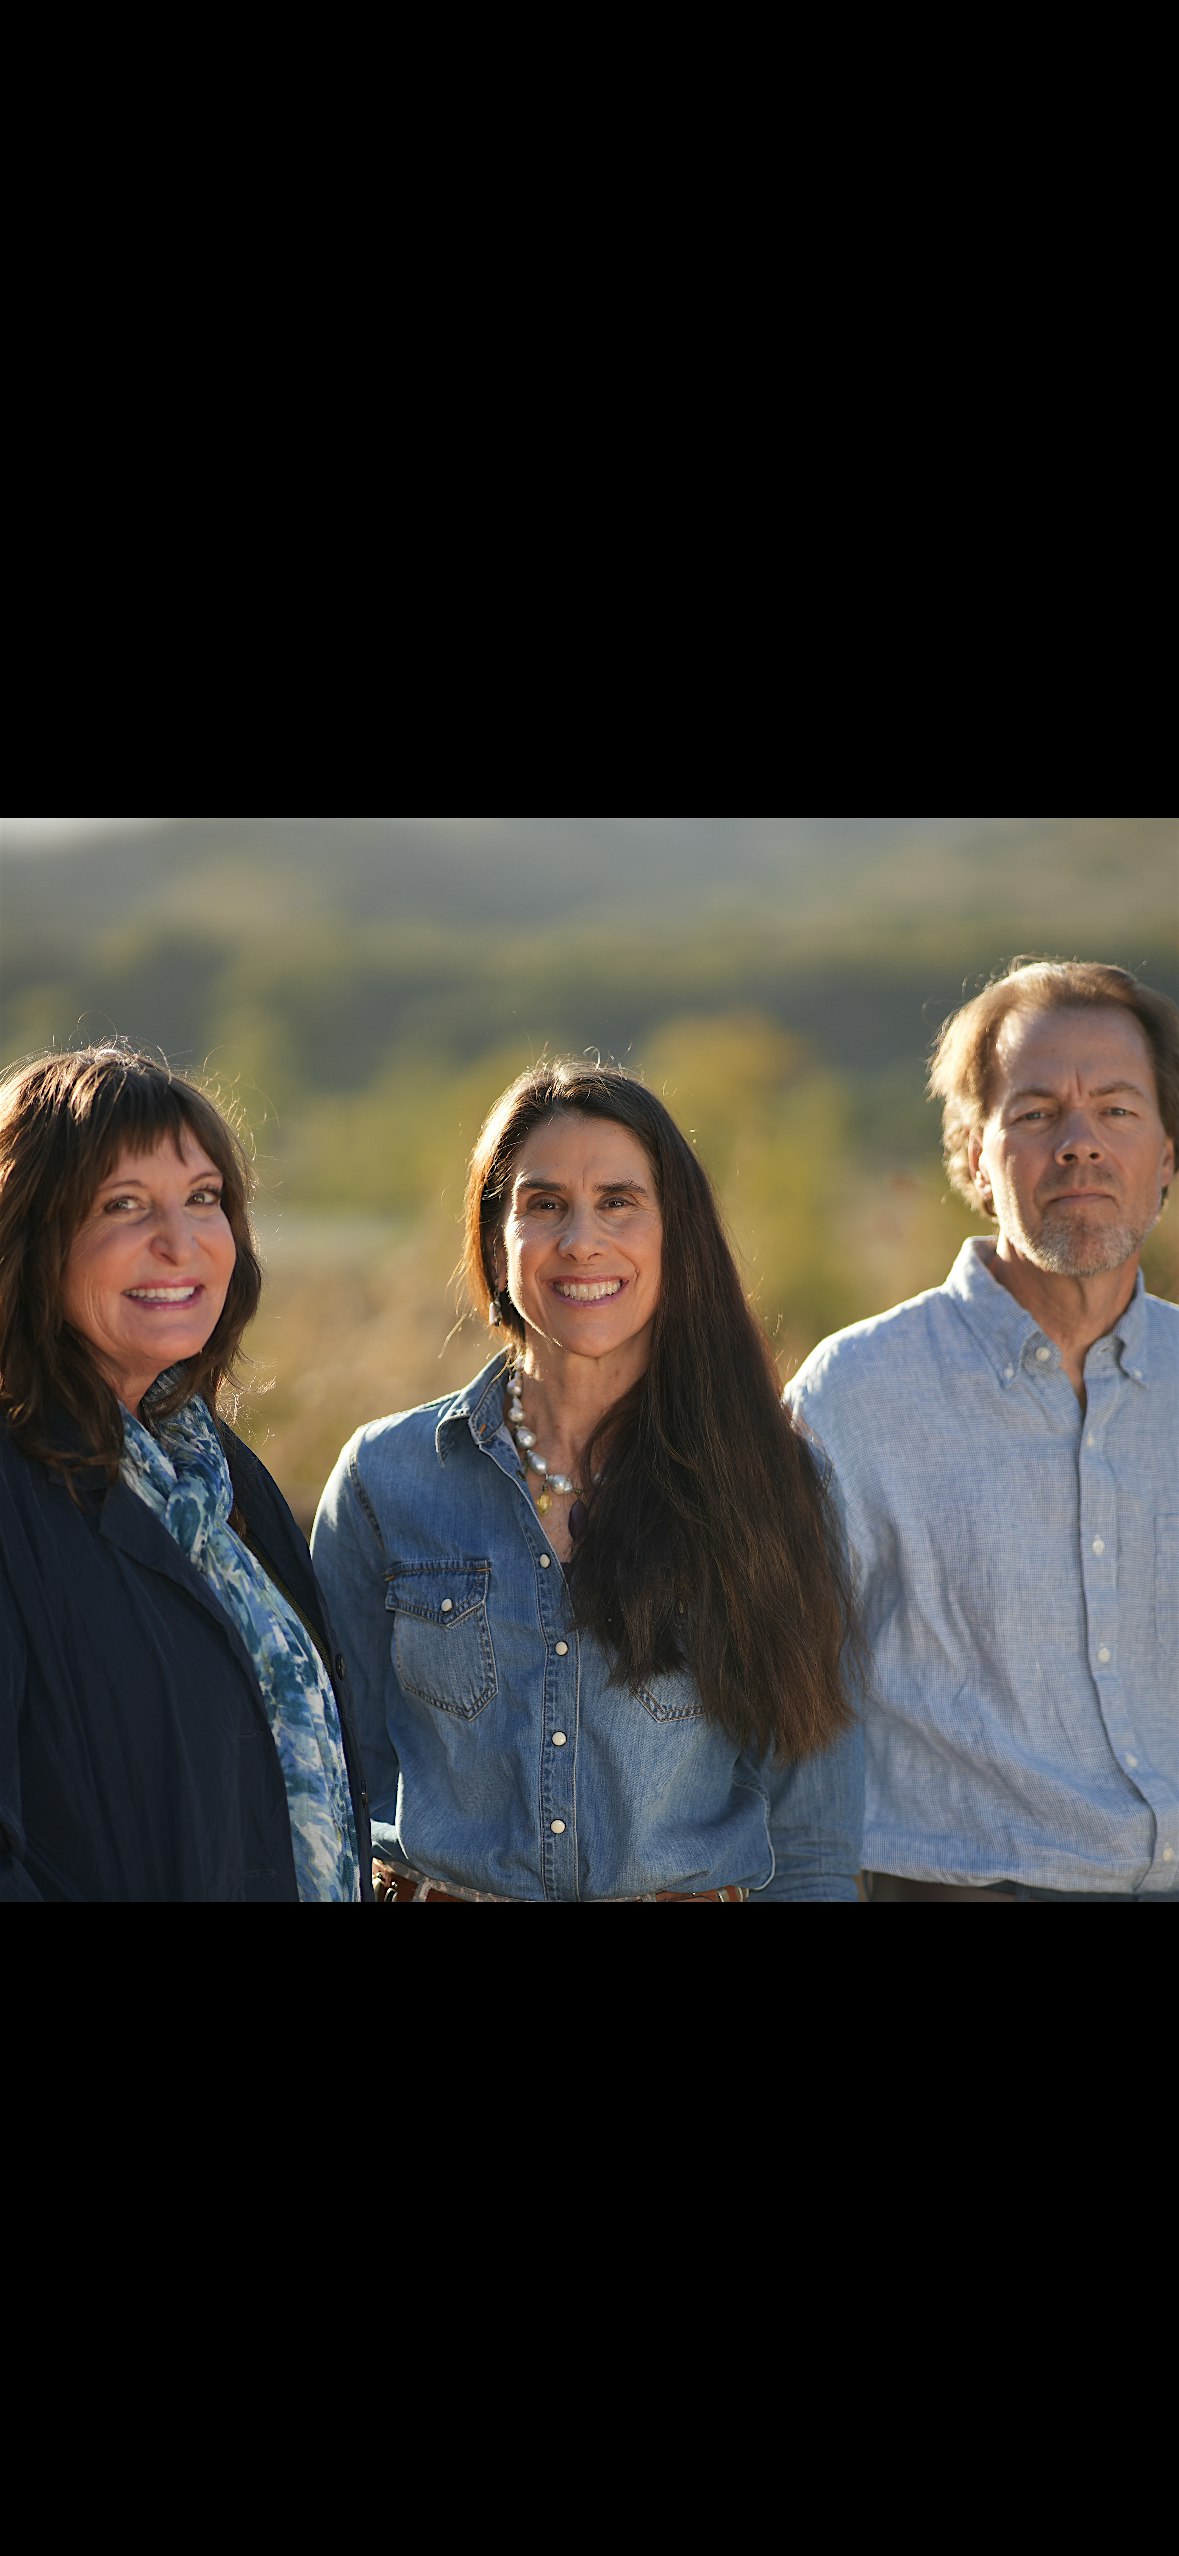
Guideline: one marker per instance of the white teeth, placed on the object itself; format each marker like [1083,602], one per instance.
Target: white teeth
[162,1295]
[590,1295]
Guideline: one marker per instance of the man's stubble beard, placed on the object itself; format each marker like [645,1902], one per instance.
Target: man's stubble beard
[1064,1249]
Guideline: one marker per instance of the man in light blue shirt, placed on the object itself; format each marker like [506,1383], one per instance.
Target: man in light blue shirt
[1007,1447]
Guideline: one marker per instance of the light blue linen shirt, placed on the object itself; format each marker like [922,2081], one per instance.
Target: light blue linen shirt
[499,1756]
[1018,1562]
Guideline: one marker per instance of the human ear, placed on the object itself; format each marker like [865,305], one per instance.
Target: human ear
[980,1175]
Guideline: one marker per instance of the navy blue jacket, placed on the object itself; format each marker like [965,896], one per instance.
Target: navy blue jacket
[136,1760]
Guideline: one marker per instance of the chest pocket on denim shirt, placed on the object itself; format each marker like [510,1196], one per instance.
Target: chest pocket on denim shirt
[673,1697]
[441,1637]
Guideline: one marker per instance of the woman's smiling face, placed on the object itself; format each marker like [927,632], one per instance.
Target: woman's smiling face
[582,1246]
[150,1267]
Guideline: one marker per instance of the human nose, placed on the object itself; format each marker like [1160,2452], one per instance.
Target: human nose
[172,1234]
[1079,1137]
[581,1239]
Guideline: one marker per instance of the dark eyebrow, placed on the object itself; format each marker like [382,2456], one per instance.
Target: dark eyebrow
[1038,1091]
[131,1180]
[604,1188]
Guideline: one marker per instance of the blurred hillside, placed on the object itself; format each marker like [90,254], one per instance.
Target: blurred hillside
[365,986]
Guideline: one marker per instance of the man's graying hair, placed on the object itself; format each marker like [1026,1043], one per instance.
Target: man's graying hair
[961,1073]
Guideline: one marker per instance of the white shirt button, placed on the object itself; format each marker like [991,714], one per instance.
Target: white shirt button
[1099,1544]
[1043,1356]
[562,1650]
[1168,1854]
[1091,1440]
[560,1739]
[1132,1763]
[546,1561]
[558,1828]
[1009,1372]
[1105,1657]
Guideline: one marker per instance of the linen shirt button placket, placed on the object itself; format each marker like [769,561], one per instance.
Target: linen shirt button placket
[1099,1573]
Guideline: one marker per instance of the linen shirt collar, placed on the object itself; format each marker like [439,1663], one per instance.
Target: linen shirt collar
[1009,1336]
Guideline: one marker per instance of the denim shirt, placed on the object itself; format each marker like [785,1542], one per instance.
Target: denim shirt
[1018,1562]
[499,1756]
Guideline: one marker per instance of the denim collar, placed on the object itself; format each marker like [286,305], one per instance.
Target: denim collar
[478,1410]
[1009,1336]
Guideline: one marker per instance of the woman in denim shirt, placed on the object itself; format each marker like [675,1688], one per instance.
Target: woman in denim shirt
[593,1607]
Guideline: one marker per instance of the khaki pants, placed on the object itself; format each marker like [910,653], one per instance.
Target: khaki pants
[885,1886]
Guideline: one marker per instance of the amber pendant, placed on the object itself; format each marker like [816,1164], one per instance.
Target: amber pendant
[544,1502]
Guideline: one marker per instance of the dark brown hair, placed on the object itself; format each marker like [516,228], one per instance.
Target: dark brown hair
[64,1121]
[711,1543]
[963,1059]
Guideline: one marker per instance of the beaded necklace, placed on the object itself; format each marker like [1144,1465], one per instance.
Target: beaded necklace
[535,1463]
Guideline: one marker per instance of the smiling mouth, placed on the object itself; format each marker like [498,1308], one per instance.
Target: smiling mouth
[164,1296]
[598,1291]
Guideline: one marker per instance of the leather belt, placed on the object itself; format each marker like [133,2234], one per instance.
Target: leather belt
[401,1887]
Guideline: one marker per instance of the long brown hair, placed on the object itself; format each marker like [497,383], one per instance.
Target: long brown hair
[64,1121]
[711,1543]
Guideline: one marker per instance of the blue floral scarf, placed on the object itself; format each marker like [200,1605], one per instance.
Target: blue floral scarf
[184,1479]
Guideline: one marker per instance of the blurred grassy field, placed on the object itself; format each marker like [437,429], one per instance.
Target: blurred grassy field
[361,989]
[360,1315]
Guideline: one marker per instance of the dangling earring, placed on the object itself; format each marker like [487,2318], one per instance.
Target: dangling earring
[494,1316]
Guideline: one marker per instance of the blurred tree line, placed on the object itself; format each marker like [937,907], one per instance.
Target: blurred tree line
[364,1045]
